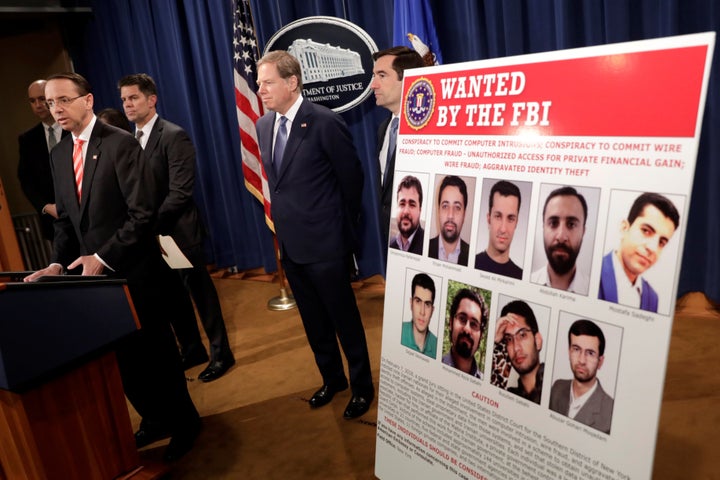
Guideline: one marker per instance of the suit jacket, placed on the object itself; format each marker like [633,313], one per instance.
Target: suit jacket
[316,196]
[597,411]
[115,216]
[434,250]
[608,287]
[34,172]
[416,245]
[385,185]
[170,156]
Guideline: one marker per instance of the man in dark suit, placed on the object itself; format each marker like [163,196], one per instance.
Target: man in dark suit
[388,72]
[582,398]
[105,214]
[34,161]
[170,155]
[315,188]
[452,205]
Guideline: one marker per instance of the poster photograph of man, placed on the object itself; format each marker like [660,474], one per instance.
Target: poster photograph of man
[453,214]
[419,333]
[564,240]
[407,224]
[518,357]
[584,377]
[466,325]
[502,227]
[641,250]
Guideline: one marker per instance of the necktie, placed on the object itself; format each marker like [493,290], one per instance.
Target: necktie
[78,166]
[392,142]
[280,141]
[52,141]
[139,134]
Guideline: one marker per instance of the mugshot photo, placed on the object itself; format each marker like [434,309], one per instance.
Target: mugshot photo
[519,339]
[451,228]
[407,221]
[466,324]
[502,222]
[641,250]
[585,370]
[565,236]
[420,320]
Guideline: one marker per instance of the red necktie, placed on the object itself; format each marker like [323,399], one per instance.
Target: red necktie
[78,166]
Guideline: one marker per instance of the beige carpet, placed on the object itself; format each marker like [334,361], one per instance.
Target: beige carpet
[257,424]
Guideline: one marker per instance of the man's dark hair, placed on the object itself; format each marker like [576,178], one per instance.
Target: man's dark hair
[411,182]
[505,189]
[114,117]
[83,86]
[404,58]
[423,280]
[567,192]
[144,82]
[518,307]
[474,297]
[287,65]
[658,201]
[586,327]
[453,181]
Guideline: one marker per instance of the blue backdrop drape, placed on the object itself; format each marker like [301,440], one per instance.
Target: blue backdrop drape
[186,47]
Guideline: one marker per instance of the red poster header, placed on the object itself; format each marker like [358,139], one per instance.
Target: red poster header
[649,94]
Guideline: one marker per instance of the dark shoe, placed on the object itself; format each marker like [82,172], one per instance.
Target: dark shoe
[324,396]
[358,406]
[150,433]
[182,442]
[216,370]
[193,360]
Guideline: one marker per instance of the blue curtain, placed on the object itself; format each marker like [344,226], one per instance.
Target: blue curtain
[186,46]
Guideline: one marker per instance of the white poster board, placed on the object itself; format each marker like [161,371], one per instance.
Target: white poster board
[617,124]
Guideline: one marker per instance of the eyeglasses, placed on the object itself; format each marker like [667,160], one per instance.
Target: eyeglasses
[463,319]
[62,101]
[519,336]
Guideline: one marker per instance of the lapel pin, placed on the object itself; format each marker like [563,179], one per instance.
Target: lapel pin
[303,125]
[94,157]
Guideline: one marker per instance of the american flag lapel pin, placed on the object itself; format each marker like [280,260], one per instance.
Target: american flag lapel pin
[303,125]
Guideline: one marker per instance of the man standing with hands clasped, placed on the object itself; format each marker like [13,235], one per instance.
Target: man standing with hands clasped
[34,161]
[171,159]
[315,179]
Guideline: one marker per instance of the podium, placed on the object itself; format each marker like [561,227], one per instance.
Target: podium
[63,412]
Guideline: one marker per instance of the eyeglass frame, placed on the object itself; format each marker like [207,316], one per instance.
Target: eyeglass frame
[511,337]
[64,101]
[464,320]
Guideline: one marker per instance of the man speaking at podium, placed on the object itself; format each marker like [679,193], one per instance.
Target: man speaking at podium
[105,214]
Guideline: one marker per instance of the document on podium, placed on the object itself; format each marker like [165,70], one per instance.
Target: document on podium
[172,254]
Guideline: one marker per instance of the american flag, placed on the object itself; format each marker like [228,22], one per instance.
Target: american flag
[249,107]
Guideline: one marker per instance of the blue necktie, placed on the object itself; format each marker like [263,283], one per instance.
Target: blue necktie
[392,142]
[280,141]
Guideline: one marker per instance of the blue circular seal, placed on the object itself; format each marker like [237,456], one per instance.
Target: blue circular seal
[419,103]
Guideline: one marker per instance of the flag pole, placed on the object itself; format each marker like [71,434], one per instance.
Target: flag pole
[284,301]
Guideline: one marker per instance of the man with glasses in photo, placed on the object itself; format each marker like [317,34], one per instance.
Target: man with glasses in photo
[468,319]
[518,343]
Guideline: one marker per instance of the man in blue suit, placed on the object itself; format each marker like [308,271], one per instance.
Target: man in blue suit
[315,179]
[650,224]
